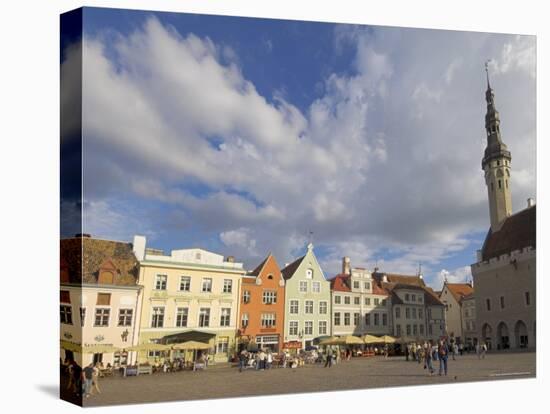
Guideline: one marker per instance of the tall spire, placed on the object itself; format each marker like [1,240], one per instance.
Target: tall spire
[487,70]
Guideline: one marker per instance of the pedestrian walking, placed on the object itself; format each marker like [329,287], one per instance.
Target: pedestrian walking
[95,379]
[428,358]
[443,352]
[269,359]
[407,352]
[419,353]
[483,350]
[328,362]
[243,358]
[87,377]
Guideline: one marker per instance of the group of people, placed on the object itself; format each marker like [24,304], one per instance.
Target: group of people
[260,360]
[431,351]
[83,381]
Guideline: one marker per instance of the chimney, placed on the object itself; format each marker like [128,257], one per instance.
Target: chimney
[530,202]
[346,265]
[138,247]
[230,259]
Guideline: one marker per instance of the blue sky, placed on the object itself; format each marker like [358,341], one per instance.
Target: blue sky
[244,135]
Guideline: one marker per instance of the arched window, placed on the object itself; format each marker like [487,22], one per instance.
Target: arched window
[499,184]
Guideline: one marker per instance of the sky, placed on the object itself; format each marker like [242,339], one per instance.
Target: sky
[248,136]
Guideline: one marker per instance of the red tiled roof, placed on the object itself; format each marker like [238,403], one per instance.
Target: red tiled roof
[340,283]
[459,290]
[518,231]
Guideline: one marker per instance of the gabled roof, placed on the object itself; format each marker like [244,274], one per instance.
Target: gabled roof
[259,268]
[518,231]
[459,290]
[399,281]
[289,270]
[340,283]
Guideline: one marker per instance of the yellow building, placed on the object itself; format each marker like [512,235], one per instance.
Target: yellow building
[191,294]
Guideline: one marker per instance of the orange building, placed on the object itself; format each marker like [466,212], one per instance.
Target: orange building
[262,307]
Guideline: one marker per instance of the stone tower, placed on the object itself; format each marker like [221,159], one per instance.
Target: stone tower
[496,164]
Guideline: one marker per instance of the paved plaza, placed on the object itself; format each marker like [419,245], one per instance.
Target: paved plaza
[359,373]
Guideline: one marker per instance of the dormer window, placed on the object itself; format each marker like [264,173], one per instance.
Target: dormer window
[309,274]
[270,277]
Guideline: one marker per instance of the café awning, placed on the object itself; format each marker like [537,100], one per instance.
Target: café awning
[371,339]
[186,336]
[191,345]
[148,347]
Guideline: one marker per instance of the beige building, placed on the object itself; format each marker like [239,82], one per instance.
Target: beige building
[417,313]
[505,271]
[469,327]
[452,295]
[359,305]
[100,301]
[190,294]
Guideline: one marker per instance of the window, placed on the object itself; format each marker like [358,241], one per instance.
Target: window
[502,302]
[367,285]
[303,286]
[294,306]
[397,313]
[246,296]
[323,306]
[413,298]
[244,320]
[337,318]
[406,296]
[356,284]
[367,301]
[398,330]
[367,319]
[420,298]
[376,301]
[429,313]
[102,316]
[527,298]
[309,274]
[420,316]
[154,354]
[207,284]
[185,283]
[383,302]
[407,313]
[181,317]
[357,300]
[160,282]
[225,317]
[157,317]
[316,287]
[322,327]
[499,184]
[347,319]
[309,306]
[82,316]
[408,330]
[430,330]
[414,313]
[223,345]
[269,297]
[384,319]
[308,328]
[227,286]
[356,318]
[103,299]
[376,319]
[204,317]
[293,328]
[268,320]
[488,303]
[66,314]
[415,329]
[337,299]
[65,296]
[421,329]
[347,300]
[125,317]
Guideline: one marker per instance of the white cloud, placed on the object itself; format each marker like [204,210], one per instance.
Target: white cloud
[387,158]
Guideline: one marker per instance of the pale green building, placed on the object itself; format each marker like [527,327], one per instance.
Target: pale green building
[307,301]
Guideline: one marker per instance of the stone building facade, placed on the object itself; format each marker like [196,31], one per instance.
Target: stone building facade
[452,295]
[505,271]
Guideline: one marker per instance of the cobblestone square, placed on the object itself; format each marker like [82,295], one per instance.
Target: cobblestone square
[359,373]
